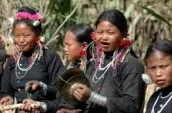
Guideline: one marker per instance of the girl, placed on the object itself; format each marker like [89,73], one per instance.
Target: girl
[158,60]
[77,41]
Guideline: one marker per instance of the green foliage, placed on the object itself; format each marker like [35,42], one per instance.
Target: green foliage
[56,14]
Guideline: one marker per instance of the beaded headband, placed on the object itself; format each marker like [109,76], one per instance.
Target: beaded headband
[36,18]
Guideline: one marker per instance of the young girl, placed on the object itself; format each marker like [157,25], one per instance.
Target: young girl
[158,60]
[115,77]
[33,62]
[77,40]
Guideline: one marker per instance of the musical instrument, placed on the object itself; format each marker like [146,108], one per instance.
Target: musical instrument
[9,108]
[67,82]
[12,108]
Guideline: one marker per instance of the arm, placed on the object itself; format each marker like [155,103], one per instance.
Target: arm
[55,67]
[125,90]
[2,60]
[43,106]
[6,89]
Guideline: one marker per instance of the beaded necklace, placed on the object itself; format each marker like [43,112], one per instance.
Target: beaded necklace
[32,59]
[162,106]
[96,79]
[118,56]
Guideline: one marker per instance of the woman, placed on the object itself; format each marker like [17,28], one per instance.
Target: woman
[33,62]
[116,85]
[158,60]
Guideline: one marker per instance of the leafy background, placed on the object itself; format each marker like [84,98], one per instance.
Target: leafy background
[148,20]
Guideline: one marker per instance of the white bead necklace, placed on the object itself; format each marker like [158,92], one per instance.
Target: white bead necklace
[96,79]
[162,106]
[30,66]
[24,69]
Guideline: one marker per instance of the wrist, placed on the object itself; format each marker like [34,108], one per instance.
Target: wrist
[97,99]
[43,107]
[43,88]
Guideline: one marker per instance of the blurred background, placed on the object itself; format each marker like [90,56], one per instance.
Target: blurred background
[148,20]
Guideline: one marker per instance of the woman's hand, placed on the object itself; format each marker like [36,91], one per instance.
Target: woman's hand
[30,105]
[6,100]
[81,92]
[32,86]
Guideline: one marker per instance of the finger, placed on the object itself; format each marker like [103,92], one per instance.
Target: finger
[37,111]
[80,91]
[28,107]
[29,83]
[77,96]
[33,110]
[35,86]
[22,107]
[59,111]
[81,85]
[64,111]
[28,87]
[25,101]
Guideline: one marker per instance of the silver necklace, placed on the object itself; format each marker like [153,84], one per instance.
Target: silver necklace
[161,106]
[96,79]
[109,64]
[24,69]
[34,57]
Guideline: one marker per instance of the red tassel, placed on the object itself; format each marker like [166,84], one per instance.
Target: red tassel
[82,53]
[125,43]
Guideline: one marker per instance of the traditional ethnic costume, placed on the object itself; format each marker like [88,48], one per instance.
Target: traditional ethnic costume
[116,84]
[38,64]
[160,101]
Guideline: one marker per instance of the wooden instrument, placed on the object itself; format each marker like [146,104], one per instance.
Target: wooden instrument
[9,108]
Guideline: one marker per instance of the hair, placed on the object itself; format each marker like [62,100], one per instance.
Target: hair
[116,17]
[164,46]
[29,22]
[82,32]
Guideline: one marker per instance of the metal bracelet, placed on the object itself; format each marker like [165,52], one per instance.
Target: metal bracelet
[43,87]
[98,99]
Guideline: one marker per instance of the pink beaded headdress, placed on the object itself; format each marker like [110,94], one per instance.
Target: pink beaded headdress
[36,18]
[26,15]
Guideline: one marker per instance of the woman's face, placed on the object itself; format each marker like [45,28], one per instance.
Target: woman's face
[72,47]
[108,36]
[24,37]
[159,67]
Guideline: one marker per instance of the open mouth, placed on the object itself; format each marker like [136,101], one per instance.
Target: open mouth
[105,44]
[21,46]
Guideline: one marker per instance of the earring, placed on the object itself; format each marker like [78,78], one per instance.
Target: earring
[83,58]
[82,53]
[125,43]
